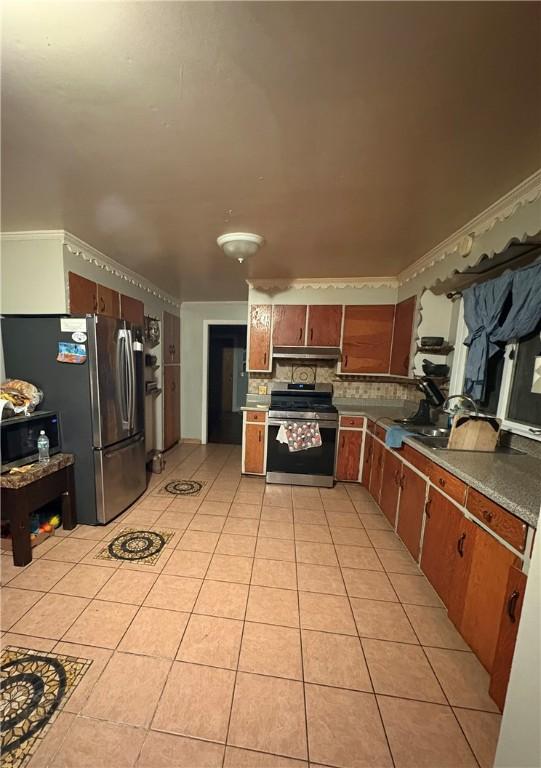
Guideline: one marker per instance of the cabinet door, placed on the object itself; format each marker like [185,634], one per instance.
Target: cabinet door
[461,548]
[507,636]
[377,469]
[83,295]
[349,454]
[254,449]
[366,343]
[259,357]
[411,510]
[108,301]
[442,532]
[288,324]
[367,459]
[485,596]
[132,310]
[171,338]
[403,330]
[324,325]
[171,405]
[390,485]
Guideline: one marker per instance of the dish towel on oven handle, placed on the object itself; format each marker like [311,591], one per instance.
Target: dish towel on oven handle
[299,437]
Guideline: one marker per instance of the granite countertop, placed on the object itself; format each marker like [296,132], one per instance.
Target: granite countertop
[511,480]
[35,471]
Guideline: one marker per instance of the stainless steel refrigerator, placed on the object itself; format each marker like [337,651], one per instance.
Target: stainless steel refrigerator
[100,400]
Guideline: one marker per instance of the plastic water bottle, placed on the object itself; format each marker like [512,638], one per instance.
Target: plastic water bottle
[43,447]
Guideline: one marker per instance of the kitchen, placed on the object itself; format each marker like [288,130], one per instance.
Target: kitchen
[357,583]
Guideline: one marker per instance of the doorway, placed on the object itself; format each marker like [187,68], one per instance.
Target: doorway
[227,383]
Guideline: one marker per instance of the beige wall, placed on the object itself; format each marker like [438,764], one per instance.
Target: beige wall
[366,294]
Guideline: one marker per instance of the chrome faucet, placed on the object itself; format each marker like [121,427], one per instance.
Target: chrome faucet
[464,398]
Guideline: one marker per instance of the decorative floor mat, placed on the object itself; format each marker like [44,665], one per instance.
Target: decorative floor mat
[182,487]
[34,687]
[136,545]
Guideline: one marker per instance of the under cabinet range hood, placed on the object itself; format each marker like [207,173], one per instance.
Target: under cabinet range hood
[307,353]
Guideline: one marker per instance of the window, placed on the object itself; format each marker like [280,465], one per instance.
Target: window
[509,393]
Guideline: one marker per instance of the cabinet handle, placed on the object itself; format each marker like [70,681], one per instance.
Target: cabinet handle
[173,386]
[402,481]
[346,361]
[102,305]
[300,334]
[95,304]
[311,334]
[460,545]
[259,436]
[441,482]
[488,515]
[343,441]
[427,507]
[512,604]
[264,358]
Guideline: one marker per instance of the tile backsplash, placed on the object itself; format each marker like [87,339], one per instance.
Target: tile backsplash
[326,373]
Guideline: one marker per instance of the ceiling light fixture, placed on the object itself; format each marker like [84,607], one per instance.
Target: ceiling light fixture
[240,245]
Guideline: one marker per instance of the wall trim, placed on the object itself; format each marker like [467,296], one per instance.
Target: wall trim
[88,253]
[266,284]
[461,241]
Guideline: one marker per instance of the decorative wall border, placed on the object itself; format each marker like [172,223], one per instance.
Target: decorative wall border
[283,284]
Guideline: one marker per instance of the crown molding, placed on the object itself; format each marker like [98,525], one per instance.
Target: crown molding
[461,241]
[88,253]
[283,284]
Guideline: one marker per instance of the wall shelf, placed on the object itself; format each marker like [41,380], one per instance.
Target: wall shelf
[443,350]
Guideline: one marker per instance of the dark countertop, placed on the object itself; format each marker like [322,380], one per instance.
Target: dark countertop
[511,480]
[37,470]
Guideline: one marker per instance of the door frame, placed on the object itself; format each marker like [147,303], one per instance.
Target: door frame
[205,371]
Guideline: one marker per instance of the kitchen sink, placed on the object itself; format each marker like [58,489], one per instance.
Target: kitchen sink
[439,443]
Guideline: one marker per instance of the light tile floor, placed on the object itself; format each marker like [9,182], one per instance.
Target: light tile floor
[280,627]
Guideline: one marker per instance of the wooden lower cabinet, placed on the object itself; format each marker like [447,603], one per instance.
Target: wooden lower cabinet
[171,405]
[390,485]
[377,469]
[367,459]
[348,459]
[411,509]
[507,636]
[254,449]
[485,596]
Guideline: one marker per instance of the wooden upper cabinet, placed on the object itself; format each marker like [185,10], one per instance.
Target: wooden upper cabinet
[132,310]
[507,636]
[254,449]
[324,325]
[171,405]
[349,454]
[411,509]
[366,342]
[485,596]
[171,338]
[108,301]
[259,355]
[403,331]
[288,325]
[390,485]
[83,295]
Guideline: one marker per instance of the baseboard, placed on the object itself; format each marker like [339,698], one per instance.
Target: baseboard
[191,440]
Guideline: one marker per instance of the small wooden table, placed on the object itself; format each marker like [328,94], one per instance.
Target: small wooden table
[22,493]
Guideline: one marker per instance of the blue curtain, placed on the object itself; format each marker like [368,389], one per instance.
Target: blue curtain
[525,312]
[483,305]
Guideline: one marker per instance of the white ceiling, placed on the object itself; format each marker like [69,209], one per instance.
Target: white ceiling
[353,136]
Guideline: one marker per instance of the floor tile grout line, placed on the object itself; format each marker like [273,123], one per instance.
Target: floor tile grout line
[302,663]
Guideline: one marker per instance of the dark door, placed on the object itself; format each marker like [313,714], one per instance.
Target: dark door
[227,383]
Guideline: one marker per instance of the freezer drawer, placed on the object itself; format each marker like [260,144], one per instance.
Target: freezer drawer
[120,476]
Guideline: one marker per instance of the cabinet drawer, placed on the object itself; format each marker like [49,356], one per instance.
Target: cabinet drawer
[448,483]
[497,519]
[259,416]
[351,421]
[415,458]
[380,432]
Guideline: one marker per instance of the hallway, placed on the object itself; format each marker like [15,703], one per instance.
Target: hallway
[276,626]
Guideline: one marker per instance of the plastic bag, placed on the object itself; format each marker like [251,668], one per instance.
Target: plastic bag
[20,397]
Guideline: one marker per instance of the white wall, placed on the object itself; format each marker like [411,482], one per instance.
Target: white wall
[193,316]
[32,277]
[519,745]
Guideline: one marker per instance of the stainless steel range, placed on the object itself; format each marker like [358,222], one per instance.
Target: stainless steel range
[302,404]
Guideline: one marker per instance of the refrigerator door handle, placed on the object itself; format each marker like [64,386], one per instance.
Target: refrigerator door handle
[131,379]
[122,378]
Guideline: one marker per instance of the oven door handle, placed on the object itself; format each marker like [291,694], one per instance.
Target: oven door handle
[321,424]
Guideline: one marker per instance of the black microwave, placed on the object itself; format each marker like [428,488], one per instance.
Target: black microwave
[19,437]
